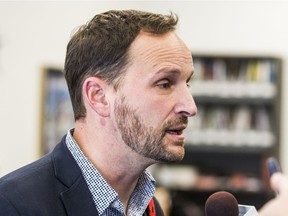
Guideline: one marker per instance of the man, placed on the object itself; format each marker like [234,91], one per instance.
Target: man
[127,73]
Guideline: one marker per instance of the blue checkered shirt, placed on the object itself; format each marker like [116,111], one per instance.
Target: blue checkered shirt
[105,197]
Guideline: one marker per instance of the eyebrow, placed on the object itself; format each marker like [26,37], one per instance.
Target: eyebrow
[174,72]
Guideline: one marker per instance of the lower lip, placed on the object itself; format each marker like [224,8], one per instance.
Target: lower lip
[176,137]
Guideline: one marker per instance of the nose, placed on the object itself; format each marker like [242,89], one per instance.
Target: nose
[185,105]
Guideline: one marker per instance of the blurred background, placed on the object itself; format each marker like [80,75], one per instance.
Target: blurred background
[240,52]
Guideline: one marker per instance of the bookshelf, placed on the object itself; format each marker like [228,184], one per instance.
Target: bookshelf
[235,130]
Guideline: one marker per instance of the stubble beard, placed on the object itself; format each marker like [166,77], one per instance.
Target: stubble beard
[145,140]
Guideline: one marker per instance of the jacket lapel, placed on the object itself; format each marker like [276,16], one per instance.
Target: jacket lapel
[78,201]
[77,198]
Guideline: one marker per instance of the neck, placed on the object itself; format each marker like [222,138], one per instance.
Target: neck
[116,162]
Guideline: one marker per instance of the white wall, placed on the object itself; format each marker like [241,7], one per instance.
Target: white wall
[35,34]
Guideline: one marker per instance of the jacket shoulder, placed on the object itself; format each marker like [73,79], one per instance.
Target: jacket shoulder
[33,189]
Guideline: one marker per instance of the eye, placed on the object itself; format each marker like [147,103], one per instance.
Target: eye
[164,84]
[188,82]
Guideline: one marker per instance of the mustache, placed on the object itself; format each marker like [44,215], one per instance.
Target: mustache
[175,122]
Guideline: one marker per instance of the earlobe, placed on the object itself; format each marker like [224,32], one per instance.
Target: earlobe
[94,92]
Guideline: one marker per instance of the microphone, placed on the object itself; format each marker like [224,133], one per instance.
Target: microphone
[223,203]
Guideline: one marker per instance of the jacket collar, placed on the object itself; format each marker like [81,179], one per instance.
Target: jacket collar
[76,198]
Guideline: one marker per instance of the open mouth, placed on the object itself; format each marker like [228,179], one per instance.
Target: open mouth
[175,132]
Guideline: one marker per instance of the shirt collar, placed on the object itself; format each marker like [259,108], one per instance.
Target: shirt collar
[103,194]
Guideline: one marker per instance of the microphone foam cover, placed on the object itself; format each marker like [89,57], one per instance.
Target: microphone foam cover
[221,203]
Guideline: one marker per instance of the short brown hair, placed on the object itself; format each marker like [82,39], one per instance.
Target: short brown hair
[100,48]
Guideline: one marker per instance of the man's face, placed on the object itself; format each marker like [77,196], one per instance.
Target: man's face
[153,103]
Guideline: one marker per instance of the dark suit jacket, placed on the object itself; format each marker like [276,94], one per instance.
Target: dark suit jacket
[50,186]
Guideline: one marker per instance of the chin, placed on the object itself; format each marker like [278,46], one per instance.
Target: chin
[178,152]
[174,155]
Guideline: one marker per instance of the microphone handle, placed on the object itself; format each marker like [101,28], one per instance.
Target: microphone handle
[247,210]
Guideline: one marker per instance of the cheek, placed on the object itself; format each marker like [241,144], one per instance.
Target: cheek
[154,108]
[155,111]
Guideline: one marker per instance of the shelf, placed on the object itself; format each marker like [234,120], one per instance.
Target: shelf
[233,100]
[233,89]
[194,149]
[235,192]
[235,139]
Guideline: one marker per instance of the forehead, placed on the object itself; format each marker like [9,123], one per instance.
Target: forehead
[158,51]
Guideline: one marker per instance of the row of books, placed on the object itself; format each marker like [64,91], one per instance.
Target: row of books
[229,69]
[234,77]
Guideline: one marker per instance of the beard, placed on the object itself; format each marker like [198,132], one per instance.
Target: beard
[145,140]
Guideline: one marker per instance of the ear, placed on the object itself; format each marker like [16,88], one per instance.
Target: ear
[94,93]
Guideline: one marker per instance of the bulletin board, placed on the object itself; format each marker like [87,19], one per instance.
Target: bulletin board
[57,113]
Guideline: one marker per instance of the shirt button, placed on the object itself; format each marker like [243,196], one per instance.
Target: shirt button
[116,204]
